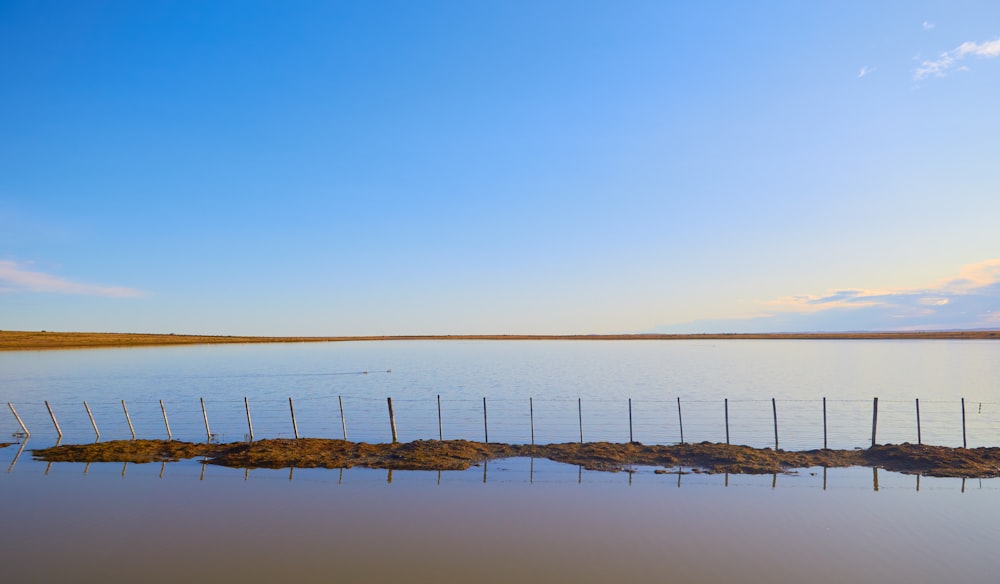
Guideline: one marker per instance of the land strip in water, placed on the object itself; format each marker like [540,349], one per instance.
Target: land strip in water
[602,456]
[39,340]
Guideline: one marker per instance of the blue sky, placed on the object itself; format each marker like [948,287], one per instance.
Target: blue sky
[327,168]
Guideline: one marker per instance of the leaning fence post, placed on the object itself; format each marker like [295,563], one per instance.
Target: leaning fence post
[392,421]
[680,420]
[440,427]
[486,428]
[92,422]
[343,423]
[53,416]
[579,411]
[919,441]
[246,403]
[726,402]
[166,422]
[774,408]
[128,419]
[964,443]
[295,426]
[204,414]
[19,421]
[874,420]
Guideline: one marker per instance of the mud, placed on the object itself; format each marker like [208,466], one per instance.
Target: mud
[602,456]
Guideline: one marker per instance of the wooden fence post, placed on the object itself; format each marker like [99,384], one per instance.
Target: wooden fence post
[343,423]
[919,440]
[531,412]
[579,411]
[295,426]
[246,403]
[54,422]
[824,425]
[680,420]
[726,402]
[92,422]
[631,437]
[874,420]
[204,414]
[166,422]
[964,442]
[128,419]
[774,408]
[440,426]
[392,421]
[486,428]
[27,434]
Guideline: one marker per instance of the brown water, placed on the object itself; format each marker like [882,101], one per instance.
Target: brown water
[531,522]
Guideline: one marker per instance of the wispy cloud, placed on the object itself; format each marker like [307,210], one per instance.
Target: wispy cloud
[866,70]
[929,25]
[14,277]
[950,60]
[968,300]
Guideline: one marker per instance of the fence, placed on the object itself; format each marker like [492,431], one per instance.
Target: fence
[787,424]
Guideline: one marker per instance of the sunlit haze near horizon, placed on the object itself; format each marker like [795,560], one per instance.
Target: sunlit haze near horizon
[369,168]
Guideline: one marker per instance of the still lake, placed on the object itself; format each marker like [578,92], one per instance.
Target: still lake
[508,520]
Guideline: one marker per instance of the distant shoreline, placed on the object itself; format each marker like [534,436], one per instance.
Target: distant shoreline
[43,340]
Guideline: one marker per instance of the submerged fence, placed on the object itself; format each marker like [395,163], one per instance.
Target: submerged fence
[774,423]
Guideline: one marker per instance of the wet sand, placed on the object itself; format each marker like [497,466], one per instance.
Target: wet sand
[602,456]
[41,340]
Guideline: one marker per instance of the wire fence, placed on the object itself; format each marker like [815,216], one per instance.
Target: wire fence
[775,423]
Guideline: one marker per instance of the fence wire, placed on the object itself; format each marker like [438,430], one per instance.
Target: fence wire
[785,424]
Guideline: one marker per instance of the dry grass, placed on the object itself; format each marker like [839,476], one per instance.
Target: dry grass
[32,340]
[603,456]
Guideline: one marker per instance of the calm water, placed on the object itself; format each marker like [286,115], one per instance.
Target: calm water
[514,520]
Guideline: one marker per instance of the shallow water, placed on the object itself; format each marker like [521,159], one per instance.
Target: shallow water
[512,520]
[574,387]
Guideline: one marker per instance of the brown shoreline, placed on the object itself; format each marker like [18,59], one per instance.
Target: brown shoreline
[603,456]
[44,340]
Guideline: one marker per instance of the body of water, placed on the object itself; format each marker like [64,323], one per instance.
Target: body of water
[512,520]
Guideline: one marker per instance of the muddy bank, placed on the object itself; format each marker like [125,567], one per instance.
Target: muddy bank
[602,456]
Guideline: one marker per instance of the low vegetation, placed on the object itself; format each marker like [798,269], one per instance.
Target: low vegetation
[604,456]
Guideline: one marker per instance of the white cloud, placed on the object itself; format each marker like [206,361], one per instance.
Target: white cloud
[866,70]
[968,300]
[928,25]
[940,66]
[15,278]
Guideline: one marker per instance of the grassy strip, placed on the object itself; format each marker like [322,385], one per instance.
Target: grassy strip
[604,456]
[30,340]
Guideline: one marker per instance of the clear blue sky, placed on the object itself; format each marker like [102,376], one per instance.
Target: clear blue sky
[326,168]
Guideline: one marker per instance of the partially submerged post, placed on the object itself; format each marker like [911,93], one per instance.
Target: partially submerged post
[680,420]
[486,427]
[824,426]
[128,419]
[874,420]
[166,422]
[774,408]
[246,403]
[204,414]
[440,427]
[726,402]
[92,422]
[531,412]
[343,424]
[919,441]
[964,442]
[54,421]
[295,426]
[392,421]
[579,411]
[19,421]
[630,437]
